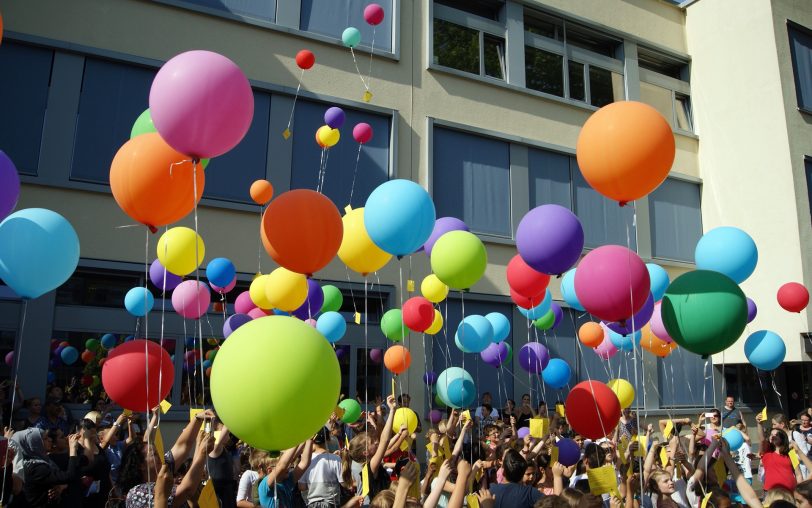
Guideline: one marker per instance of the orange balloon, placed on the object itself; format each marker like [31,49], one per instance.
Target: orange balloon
[88,356]
[625,150]
[654,344]
[302,230]
[397,359]
[590,334]
[153,183]
[261,191]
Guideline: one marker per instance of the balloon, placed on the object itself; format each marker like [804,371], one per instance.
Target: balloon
[332,325]
[654,345]
[399,216]
[509,358]
[69,355]
[351,37]
[144,125]
[397,359]
[636,322]
[459,259]
[108,341]
[153,183]
[657,326]
[10,358]
[500,324]
[39,250]
[88,356]
[623,342]
[257,358]
[606,349]
[524,302]
[569,453]
[313,302]
[392,325]
[612,283]
[305,59]
[430,378]
[474,334]
[523,432]
[139,301]
[765,350]
[494,354]
[591,334]
[258,294]
[92,344]
[205,90]
[442,226]
[233,322]
[418,314]
[659,280]
[557,373]
[534,357]
[550,239]
[455,388]
[435,416]
[243,303]
[352,410]
[357,249]
[302,230]
[623,390]
[704,312]
[539,310]
[191,299]
[327,137]
[625,150]
[592,409]
[333,300]
[433,289]
[334,117]
[161,277]
[9,184]
[362,132]
[404,417]
[727,250]
[222,290]
[568,291]
[546,321]
[221,271]
[373,14]
[752,310]
[138,375]
[177,249]
[558,313]
[376,355]
[792,296]
[261,192]
[525,280]
[257,313]
[286,290]
[734,438]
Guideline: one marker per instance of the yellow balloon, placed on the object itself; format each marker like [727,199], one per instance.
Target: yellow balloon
[176,250]
[624,391]
[404,416]
[257,292]
[286,290]
[437,324]
[327,136]
[357,250]
[433,289]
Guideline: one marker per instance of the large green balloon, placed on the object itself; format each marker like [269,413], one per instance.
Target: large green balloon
[459,259]
[269,369]
[704,311]
[143,125]
[392,325]
[333,300]
[352,410]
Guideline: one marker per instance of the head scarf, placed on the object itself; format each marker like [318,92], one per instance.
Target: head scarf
[30,445]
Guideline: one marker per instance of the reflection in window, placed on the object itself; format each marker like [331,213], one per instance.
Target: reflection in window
[549,178]
[488,9]
[263,10]
[544,71]
[676,219]
[542,24]
[97,288]
[659,98]
[591,40]
[331,17]
[604,221]
[604,86]
[683,110]
[576,75]
[369,377]
[800,43]
[456,46]
[344,355]
[494,56]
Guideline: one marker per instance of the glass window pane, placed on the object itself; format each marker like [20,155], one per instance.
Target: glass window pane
[676,220]
[576,75]
[605,87]
[808,171]
[489,9]
[543,24]
[369,377]
[660,63]
[329,17]
[494,56]
[472,180]
[800,42]
[26,73]
[263,10]
[591,40]
[549,179]
[683,109]
[604,221]
[659,98]
[456,46]
[544,71]
[98,288]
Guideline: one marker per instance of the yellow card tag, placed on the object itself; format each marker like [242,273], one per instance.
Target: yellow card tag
[472,500]
[554,454]
[559,408]
[663,456]
[365,480]
[539,427]
[446,447]
[764,414]
[347,209]
[393,387]
[793,456]
[602,480]
[357,318]
[465,416]
[158,442]
[367,96]
[165,406]
[643,448]
[286,133]
[346,441]
[216,434]
[706,499]
[410,286]
[126,412]
[621,449]
[208,498]
[193,412]
[720,470]
[669,428]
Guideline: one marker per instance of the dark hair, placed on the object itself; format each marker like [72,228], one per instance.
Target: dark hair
[130,473]
[487,406]
[594,455]
[590,501]
[572,497]
[782,446]
[805,489]
[87,424]
[514,466]
[321,436]
[780,503]
[552,502]
[51,401]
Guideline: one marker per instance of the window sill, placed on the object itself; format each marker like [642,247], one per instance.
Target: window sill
[804,110]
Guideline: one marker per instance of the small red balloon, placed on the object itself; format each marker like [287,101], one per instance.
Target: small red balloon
[523,301]
[305,59]
[593,409]
[418,314]
[88,356]
[793,297]
[138,375]
[373,14]
[525,280]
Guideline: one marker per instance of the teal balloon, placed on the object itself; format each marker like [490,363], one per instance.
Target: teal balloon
[659,280]
[568,290]
[734,438]
[39,251]
[459,381]
[501,326]
[351,37]
[143,125]
[139,301]
[705,312]
[727,250]
[625,342]
[557,373]
[399,216]
[332,325]
[539,310]
[765,350]
[474,334]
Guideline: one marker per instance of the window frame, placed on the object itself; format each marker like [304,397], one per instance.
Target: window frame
[473,22]
[793,26]
[680,178]
[676,87]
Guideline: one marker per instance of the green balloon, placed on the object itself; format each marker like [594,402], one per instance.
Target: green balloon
[459,259]
[704,312]
[438,401]
[269,369]
[92,344]
[392,325]
[143,125]
[509,357]
[352,410]
[546,321]
[333,299]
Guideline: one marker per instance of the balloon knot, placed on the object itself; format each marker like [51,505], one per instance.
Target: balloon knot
[623,203]
[152,229]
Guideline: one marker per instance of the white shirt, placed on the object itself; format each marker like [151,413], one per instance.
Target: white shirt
[494,413]
[246,481]
[744,460]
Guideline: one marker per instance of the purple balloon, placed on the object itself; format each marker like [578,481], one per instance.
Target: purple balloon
[156,275]
[569,453]
[9,185]
[550,239]
[558,312]
[435,416]
[752,310]
[312,305]
[442,226]
[233,322]
[640,319]
[533,357]
[334,117]
[523,432]
[10,358]
[430,377]
[376,355]
[341,351]
[494,354]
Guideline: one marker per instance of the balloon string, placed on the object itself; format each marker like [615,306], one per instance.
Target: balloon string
[295,97]
[17,356]
[358,70]
[371,52]
[259,243]
[324,171]
[355,172]
[163,312]
[366,357]
[197,289]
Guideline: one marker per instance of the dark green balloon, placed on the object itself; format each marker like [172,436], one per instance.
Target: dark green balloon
[509,357]
[392,325]
[704,312]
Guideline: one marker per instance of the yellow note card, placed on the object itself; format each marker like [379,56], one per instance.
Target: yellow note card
[663,456]
[346,441]
[602,480]
[764,414]
[669,428]
[643,448]
[793,457]
[208,499]
[720,470]
[158,442]
[365,480]
[410,286]
[165,406]
[446,451]
[393,387]
[367,96]
[216,435]
[559,408]
[706,499]
[465,416]
[126,412]
[194,411]
[539,427]
[286,133]
[554,454]
[621,449]
[347,209]
[472,500]
[357,318]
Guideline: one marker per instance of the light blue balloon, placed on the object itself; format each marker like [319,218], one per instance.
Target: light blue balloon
[139,301]
[69,355]
[39,250]
[332,325]
[351,37]
[765,350]
[399,216]
[659,280]
[625,342]
[557,373]
[540,310]
[206,364]
[501,326]
[474,334]
[568,290]
[734,438]
[461,393]
[727,250]
[445,380]
[220,272]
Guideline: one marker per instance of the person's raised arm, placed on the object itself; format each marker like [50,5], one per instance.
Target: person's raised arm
[395,441]
[108,435]
[558,478]
[163,487]
[745,489]
[184,446]
[460,486]
[408,475]
[191,480]
[304,460]
[220,445]
[153,424]
[386,433]
[425,484]
[436,492]
[651,456]
[461,439]
[280,471]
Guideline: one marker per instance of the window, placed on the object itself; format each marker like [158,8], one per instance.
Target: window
[26,72]
[488,9]
[808,171]
[7,343]
[97,288]
[544,71]
[676,220]
[549,179]
[471,180]
[664,85]
[800,43]
[604,221]
[262,10]
[368,378]
[329,17]
[467,38]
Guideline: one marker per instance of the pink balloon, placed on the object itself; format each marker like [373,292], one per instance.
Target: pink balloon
[256,312]
[606,349]
[657,326]
[10,358]
[362,132]
[311,322]
[243,304]
[612,283]
[373,14]
[222,291]
[201,103]
[191,299]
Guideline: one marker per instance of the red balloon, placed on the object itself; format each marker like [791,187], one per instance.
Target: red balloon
[132,373]
[88,356]
[593,409]
[525,302]
[418,314]
[305,59]
[793,297]
[525,280]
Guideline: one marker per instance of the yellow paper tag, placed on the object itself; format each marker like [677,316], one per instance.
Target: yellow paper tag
[208,498]
[347,209]
[127,412]
[158,442]
[286,133]
[602,480]
[764,414]
[621,449]
[165,406]
[346,441]
[539,427]
[554,454]
[367,96]
[472,500]
[410,285]
[446,447]
[706,499]
[793,456]
[643,448]
[663,456]
[465,416]
[559,408]
[193,412]
[365,480]
[393,387]
[720,470]
[216,434]
[669,427]
[357,318]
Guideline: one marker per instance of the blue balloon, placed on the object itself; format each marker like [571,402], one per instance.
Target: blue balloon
[625,342]
[765,350]
[51,377]
[69,355]
[474,334]
[39,250]
[445,380]
[501,326]
[108,341]
[540,310]
[206,364]
[461,393]
[734,438]
[220,272]
[659,280]
[191,342]
[332,325]
[399,216]
[128,338]
[139,301]
[727,250]
[278,312]
[557,373]
[568,291]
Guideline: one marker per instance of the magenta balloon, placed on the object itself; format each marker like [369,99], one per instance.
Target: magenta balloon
[9,185]
[442,226]
[606,349]
[233,322]
[201,103]
[312,304]
[362,132]
[222,291]
[612,283]
[435,416]
[550,239]
[657,326]
[376,355]
[752,310]
[191,299]
[243,304]
[494,354]
[533,357]
[637,322]
[373,14]
[256,313]
[10,358]
[157,273]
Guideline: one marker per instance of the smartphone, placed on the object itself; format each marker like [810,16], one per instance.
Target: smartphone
[710,415]
[207,427]
[399,465]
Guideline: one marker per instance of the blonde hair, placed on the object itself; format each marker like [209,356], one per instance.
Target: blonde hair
[257,458]
[359,447]
[778,494]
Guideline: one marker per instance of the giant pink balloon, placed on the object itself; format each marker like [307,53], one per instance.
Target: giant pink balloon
[201,103]
[657,326]
[191,299]
[612,283]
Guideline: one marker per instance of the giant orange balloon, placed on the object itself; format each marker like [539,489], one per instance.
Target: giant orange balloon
[625,150]
[153,183]
[654,344]
[397,359]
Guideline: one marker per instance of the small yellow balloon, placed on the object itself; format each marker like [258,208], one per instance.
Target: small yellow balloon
[437,324]
[286,290]
[357,250]
[433,289]
[257,292]
[327,136]
[624,391]
[176,250]
[404,416]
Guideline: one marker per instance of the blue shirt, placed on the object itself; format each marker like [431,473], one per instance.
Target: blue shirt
[284,493]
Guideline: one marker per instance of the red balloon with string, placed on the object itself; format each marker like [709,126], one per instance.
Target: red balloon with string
[793,297]
[525,280]
[593,409]
[305,59]
[138,375]
[418,314]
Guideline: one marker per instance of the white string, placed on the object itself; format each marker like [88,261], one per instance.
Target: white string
[17,356]
[363,81]
[295,97]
